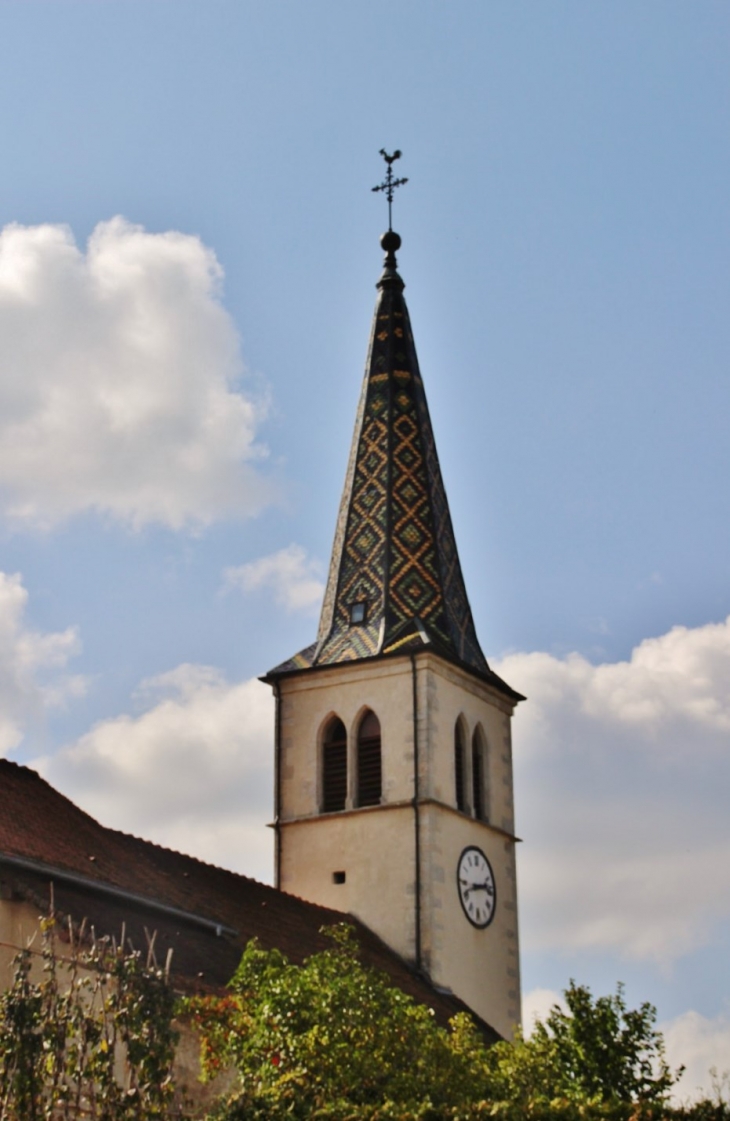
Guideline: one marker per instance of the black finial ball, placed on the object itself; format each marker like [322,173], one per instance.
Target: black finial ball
[390,241]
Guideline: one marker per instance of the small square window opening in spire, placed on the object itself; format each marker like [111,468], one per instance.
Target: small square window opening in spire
[358,612]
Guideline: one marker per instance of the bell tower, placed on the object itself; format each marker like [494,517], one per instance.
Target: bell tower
[393,753]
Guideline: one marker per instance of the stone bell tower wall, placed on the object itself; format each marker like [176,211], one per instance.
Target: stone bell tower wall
[374,846]
[480,965]
[393,865]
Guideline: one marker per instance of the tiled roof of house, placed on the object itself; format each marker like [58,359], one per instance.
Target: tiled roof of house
[205,914]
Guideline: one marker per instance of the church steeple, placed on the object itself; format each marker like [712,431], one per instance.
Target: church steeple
[395,582]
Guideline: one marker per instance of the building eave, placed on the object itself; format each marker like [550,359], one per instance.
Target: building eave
[489,678]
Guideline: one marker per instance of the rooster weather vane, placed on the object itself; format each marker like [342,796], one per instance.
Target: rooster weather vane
[389,184]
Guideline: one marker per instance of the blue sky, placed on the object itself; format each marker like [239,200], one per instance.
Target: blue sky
[178,396]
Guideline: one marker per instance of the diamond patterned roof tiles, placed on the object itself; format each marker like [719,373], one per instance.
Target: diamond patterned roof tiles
[394,547]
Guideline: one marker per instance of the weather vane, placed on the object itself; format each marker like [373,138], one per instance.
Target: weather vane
[389,184]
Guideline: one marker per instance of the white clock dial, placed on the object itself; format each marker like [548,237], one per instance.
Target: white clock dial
[477,890]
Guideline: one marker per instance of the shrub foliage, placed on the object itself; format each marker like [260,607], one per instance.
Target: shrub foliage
[86,1031]
[332,1038]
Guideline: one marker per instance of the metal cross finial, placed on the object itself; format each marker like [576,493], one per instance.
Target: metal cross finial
[389,184]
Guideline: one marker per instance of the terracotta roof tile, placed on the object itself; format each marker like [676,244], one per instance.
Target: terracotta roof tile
[44,837]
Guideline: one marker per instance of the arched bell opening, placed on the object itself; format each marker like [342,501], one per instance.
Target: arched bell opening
[334,766]
[369,762]
[461,793]
[480,775]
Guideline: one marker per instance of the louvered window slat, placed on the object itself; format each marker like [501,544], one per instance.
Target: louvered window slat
[369,762]
[478,779]
[334,768]
[459,774]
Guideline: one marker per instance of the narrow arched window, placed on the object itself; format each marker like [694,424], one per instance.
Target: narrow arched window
[334,767]
[369,762]
[479,776]
[459,768]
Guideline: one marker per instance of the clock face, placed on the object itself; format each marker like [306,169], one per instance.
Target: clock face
[477,890]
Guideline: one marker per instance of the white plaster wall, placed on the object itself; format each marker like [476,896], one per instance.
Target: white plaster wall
[18,925]
[480,965]
[447,694]
[375,848]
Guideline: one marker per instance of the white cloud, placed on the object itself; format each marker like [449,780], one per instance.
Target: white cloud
[119,374]
[294,579]
[620,774]
[701,1044]
[32,666]
[536,1005]
[192,771]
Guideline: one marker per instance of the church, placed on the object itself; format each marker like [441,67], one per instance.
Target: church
[393,769]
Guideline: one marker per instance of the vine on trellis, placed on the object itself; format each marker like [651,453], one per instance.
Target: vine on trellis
[89,1035]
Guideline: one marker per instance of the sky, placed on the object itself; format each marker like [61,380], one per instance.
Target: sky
[188,254]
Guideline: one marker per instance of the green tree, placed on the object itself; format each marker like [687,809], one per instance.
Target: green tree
[332,1035]
[597,1050]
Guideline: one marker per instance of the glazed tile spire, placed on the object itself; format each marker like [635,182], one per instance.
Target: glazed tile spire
[394,559]
[395,582]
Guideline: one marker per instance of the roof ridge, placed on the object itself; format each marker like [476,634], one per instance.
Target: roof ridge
[5,762]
